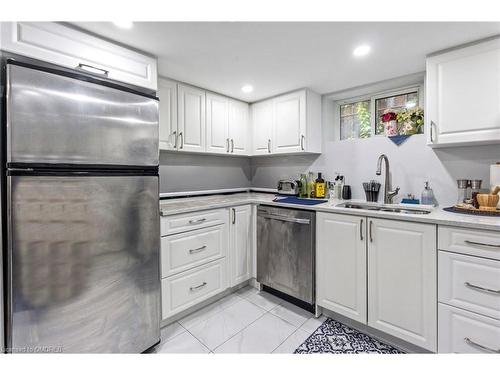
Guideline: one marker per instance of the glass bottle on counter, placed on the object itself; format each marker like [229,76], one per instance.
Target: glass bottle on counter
[303,186]
[310,185]
[319,187]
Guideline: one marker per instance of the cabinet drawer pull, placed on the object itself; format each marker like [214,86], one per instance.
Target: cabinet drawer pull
[485,348]
[481,244]
[302,142]
[268,146]
[193,288]
[92,69]
[234,215]
[371,232]
[227,144]
[182,140]
[481,288]
[433,125]
[198,249]
[361,229]
[175,138]
[198,221]
[232,145]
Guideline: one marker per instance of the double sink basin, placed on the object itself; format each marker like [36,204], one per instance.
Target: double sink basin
[385,208]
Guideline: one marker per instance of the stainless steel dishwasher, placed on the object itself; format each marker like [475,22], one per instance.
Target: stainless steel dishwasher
[286,251]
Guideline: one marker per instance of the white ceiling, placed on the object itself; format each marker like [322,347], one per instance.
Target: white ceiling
[276,57]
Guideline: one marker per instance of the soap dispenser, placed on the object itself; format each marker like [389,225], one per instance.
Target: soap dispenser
[428,195]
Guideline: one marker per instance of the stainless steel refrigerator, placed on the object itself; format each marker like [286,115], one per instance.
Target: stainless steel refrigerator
[81,220]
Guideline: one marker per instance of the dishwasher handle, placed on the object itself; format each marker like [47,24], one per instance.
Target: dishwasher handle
[285,218]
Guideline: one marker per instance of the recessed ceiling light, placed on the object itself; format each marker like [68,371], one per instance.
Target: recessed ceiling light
[362,50]
[247,88]
[124,24]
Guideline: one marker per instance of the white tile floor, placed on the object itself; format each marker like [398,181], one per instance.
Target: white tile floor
[247,321]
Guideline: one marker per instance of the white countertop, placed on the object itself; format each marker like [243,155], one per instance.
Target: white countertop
[175,206]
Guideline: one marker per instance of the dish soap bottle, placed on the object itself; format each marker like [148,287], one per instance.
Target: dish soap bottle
[320,186]
[428,195]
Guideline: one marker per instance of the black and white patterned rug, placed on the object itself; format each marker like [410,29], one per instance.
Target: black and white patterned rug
[337,338]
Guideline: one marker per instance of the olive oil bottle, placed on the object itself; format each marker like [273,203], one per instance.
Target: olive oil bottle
[320,187]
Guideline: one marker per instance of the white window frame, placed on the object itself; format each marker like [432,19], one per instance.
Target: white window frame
[419,88]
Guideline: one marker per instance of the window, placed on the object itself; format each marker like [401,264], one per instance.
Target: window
[393,103]
[360,117]
[355,120]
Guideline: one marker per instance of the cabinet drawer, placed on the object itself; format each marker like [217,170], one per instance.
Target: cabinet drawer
[461,331]
[191,287]
[193,220]
[482,243]
[182,251]
[65,46]
[470,283]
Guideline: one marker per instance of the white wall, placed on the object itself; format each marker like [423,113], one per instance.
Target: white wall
[411,164]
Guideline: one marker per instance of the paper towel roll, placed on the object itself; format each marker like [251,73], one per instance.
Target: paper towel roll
[495,176]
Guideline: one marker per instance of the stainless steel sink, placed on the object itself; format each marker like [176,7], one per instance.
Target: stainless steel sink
[385,208]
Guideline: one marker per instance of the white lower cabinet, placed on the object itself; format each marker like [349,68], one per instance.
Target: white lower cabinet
[379,272]
[470,283]
[402,280]
[240,248]
[183,251]
[186,289]
[461,331]
[341,264]
[202,254]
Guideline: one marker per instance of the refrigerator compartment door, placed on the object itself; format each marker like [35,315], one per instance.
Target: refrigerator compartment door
[84,261]
[56,119]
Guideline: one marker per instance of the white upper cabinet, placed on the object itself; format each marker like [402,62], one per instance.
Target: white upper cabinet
[463,96]
[402,280]
[191,118]
[287,124]
[68,47]
[262,127]
[238,128]
[341,264]
[167,92]
[217,124]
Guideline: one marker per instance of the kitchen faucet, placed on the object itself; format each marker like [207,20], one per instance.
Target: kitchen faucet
[388,194]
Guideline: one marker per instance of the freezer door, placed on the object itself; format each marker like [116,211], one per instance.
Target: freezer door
[56,119]
[83,264]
